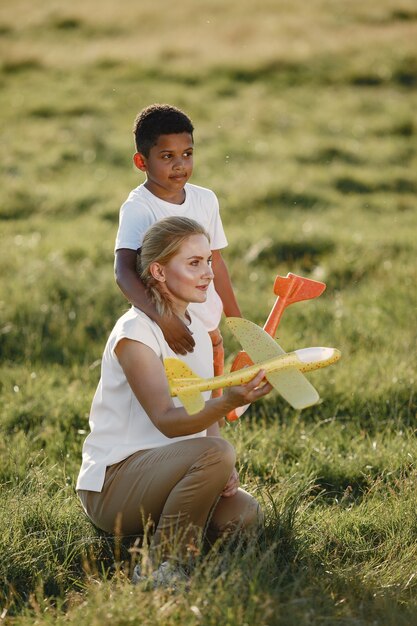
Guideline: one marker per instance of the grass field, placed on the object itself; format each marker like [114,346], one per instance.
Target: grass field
[306,125]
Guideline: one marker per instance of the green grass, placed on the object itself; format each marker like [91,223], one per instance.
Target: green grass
[305,128]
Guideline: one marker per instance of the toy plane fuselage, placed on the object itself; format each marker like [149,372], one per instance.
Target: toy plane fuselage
[304,360]
[284,371]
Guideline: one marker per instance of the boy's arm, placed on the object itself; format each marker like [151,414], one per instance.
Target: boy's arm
[223,285]
[175,331]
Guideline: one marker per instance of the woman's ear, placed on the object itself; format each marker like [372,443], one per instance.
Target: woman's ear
[157,271]
[140,161]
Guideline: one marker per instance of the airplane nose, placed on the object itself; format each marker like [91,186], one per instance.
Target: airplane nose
[315,355]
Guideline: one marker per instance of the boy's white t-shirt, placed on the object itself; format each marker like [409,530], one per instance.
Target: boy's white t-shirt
[119,425]
[142,209]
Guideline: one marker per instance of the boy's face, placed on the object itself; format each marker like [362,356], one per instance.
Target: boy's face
[168,166]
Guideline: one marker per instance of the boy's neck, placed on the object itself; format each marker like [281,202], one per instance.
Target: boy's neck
[177,197]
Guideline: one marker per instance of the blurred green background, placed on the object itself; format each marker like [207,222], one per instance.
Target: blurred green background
[305,117]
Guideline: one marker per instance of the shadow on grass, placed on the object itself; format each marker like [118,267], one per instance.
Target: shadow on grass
[18,66]
[288,198]
[48,111]
[331,154]
[402,74]
[306,253]
[352,185]
[69,25]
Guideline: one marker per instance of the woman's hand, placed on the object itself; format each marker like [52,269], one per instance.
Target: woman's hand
[232,485]
[146,376]
[239,395]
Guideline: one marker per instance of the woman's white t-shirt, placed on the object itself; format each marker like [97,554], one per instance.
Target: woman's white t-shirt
[118,423]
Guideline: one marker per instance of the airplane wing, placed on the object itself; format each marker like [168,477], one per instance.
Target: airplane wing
[291,384]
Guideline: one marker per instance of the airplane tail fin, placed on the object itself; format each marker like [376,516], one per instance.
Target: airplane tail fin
[176,370]
[178,374]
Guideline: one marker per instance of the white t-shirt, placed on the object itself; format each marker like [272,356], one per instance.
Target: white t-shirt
[119,425]
[143,208]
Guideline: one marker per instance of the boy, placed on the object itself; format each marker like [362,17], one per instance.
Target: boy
[164,152]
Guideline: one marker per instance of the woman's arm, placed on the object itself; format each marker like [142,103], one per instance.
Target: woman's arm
[146,375]
[214,430]
[223,285]
[176,333]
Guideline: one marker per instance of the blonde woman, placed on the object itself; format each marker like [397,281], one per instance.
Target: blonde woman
[145,458]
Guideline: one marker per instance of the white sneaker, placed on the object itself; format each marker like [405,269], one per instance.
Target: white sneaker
[137,575]
[167,575]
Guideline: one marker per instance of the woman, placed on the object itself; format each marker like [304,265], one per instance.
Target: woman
[146,459]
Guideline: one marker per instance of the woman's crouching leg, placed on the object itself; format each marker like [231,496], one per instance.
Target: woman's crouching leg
[173,488]
[188,505]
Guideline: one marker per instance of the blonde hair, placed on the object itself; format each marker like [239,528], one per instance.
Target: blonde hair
[161,242]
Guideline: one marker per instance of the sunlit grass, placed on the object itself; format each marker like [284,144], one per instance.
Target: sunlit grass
[305,128]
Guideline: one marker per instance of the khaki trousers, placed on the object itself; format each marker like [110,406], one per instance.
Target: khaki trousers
[177,488]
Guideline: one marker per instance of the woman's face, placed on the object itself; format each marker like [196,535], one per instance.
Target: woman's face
[188,274]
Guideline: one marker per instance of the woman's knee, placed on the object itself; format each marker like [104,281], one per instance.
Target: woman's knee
[224,451]
[216,460]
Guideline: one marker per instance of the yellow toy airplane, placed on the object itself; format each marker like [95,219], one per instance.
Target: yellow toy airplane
[283,371]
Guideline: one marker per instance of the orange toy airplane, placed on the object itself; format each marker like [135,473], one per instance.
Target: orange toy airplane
[288,289]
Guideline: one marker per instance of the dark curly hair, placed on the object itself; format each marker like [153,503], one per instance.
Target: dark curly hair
[156,120]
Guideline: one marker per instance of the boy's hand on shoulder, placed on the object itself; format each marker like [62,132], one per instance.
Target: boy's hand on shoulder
[176,334]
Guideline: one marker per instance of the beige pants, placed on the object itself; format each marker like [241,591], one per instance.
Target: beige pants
[177,488]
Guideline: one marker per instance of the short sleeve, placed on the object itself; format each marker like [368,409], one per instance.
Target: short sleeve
[218,238]
[134,221]
[140,328]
